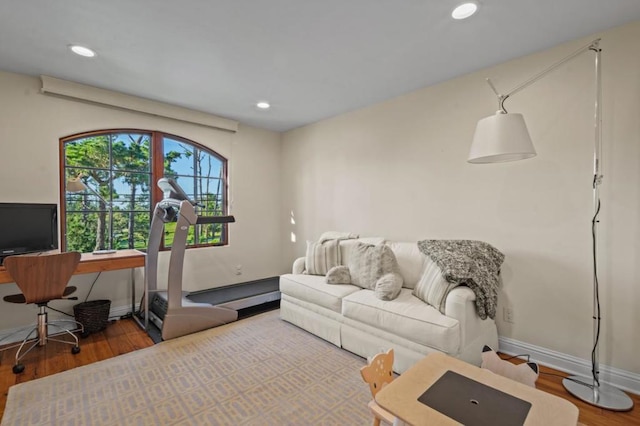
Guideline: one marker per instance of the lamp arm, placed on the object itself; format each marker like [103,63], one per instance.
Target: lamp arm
[594,45]
[97,194]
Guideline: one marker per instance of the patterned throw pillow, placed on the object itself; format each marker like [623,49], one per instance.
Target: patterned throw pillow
[368,263]
[432,288]
[321,257]
[339,275]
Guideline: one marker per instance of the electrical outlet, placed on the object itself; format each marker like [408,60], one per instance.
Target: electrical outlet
[507,314]
[238,269]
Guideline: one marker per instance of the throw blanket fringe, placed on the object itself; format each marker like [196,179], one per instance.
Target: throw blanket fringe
[475,264]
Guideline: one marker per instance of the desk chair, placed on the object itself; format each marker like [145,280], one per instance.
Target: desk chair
[378,373]
[41,279]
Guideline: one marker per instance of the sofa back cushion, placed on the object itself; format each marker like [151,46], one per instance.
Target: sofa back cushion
[410,261]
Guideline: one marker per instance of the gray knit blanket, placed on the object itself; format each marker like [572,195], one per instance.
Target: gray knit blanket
[475,264]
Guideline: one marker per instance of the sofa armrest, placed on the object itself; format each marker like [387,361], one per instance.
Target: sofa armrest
[460,303]
[298,266]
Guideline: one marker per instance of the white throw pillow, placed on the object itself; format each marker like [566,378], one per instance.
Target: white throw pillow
[368,263]
[388,286]
[321,257]
[432,288]
[339,275]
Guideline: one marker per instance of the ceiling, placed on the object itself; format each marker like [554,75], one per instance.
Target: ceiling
[311,59]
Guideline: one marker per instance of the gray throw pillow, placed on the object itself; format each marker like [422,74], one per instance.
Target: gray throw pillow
[321,257]
[388,286]
[368,263]
[339,275]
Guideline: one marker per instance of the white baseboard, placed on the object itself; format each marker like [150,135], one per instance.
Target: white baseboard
[119,311]
[114,313]
[621,379]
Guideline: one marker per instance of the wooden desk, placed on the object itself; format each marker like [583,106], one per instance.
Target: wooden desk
[400,397]
[89,262]
[121,259]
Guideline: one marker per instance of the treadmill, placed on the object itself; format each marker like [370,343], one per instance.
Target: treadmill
[171,311]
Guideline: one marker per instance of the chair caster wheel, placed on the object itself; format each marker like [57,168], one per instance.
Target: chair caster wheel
[75,350]
[18,368]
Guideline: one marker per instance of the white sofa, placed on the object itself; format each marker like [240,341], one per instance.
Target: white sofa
[354,319]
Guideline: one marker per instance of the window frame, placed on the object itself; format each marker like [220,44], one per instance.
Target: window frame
[156,172]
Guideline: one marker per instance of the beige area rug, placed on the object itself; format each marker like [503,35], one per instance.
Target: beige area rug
[257,371]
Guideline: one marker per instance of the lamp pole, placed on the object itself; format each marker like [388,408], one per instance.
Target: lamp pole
[597,393]
[110,210]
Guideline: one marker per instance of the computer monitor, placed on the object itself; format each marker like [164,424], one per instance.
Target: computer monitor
[27,228]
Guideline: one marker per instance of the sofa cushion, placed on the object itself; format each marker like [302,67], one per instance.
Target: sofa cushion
[410,261]
[406,316]
[368,263]
[314,289]
[321,257]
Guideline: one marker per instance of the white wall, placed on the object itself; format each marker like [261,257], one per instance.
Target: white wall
[398,169]
[32,123]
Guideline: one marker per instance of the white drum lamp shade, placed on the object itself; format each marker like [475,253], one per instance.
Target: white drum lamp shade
[499,138]
[76,185]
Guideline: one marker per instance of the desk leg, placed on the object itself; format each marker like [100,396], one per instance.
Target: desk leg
[143,325]
[133,292]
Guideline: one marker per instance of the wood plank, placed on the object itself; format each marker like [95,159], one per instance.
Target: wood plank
[120,328]
[7,378]
[122,346]
[139,341]
[93,349]
[57,357]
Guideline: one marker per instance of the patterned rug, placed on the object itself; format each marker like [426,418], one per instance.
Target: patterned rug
[257,371]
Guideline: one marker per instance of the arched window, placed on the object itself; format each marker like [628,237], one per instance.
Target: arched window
[108,188]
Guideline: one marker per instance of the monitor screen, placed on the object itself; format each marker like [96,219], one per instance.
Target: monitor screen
[27,228]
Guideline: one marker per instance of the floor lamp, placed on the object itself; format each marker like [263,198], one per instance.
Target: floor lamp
[504,137]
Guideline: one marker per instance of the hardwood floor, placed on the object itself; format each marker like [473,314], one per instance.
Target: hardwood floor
[125,336]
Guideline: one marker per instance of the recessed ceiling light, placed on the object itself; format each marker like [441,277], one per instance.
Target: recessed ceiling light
[82,51]
[464,11]
[263,105]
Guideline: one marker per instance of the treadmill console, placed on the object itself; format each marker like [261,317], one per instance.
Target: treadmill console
[171,190]
[173,195]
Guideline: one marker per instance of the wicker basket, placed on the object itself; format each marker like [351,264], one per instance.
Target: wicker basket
[93,315]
